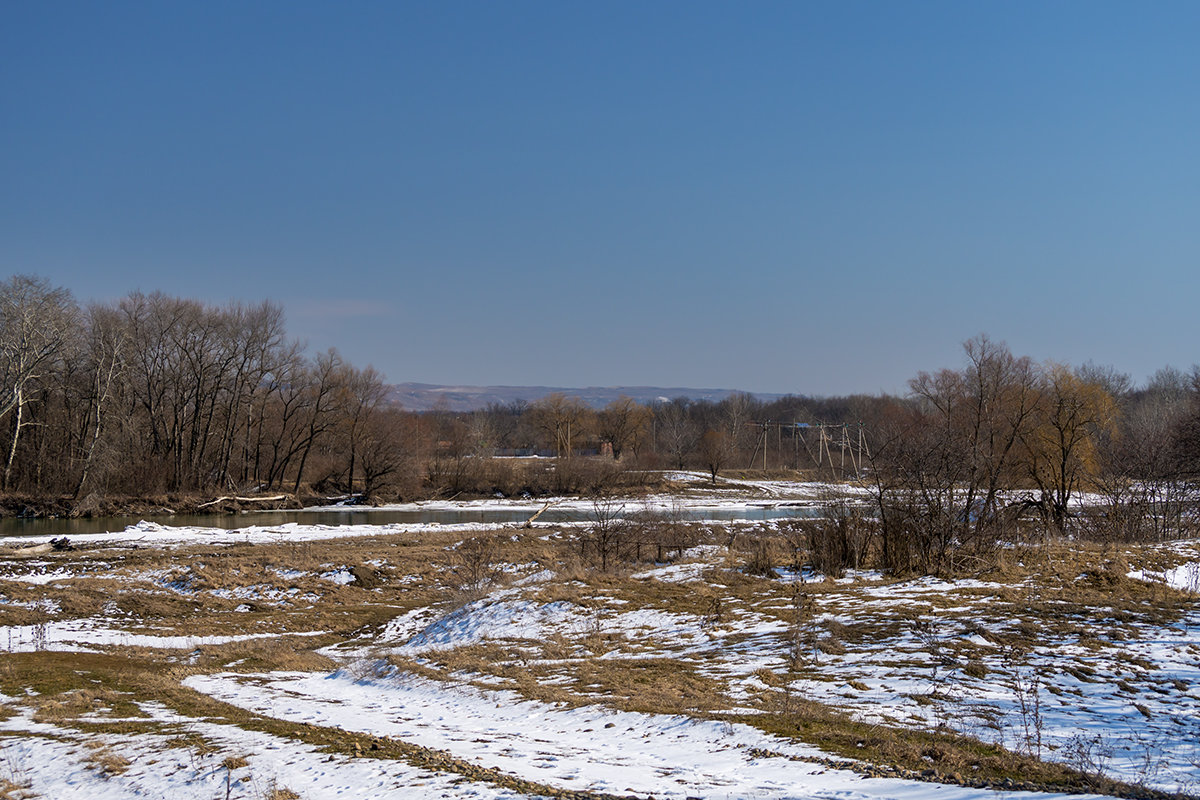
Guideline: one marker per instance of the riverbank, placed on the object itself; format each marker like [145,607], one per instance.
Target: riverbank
[26,506]
[15,505]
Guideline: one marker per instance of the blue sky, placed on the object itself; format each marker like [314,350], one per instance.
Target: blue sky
[797,197]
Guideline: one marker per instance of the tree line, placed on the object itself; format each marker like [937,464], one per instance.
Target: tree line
[153,394]
[1003,447]
[156,394]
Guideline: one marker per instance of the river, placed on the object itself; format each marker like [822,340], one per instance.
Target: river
[19,526]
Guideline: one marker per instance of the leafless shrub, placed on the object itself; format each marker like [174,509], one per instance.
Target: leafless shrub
[107,763]
[273,791]
[1088,755]
[714,611]
[1026,685]
[231,763]
[661,534]
[803,637]
[606,539]
[761,559]
[795,534]
[840,539]
[474,565]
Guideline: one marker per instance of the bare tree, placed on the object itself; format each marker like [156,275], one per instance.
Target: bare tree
[622,424]
[941,462]
[737,412]
[676,430]
[105,353]
[36,322]
[607,532]
[563,419]
[1062,447]
[383,449]
[365,393]
[1118,384]
[326,403]
[453,465]
[714,451]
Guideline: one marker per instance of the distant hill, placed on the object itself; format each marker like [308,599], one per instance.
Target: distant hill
[426,396]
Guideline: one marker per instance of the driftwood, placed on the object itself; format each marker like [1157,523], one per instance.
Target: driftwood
[244,500]
[529,522]
[32,550]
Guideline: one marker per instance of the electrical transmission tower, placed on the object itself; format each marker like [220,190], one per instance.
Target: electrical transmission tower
[840,448]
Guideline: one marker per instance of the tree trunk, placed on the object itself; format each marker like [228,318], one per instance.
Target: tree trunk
[12,451]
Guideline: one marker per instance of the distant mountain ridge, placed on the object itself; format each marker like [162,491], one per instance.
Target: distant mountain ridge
[427,396]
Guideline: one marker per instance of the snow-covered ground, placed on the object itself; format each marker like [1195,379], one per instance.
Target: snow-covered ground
[88,634]
[1126,701]
[153,534]
[591,748]
[1107,689]
[49,761]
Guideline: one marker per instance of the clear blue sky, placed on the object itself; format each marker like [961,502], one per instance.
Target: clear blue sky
[791,197]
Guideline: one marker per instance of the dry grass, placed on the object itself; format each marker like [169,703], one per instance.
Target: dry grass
[16,791]
[195,742]
[234,762]
[560,591]
[75,703]
[956,757]
[283,653]
[105,762]
[659,685]
[1052,590]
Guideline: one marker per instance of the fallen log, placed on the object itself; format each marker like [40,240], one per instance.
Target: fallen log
[529,522]
[32,550]
[244,500]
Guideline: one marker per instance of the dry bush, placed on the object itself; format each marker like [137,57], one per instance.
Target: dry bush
[468,475]
[584,476]
[768,677]
[276,792]
[106,762]
[366,576]
[474,567]
[841,540]
[532,685]
[803,635]
[485,658]
[975,669]
[20,616]
[761,559]
[22,790]
[831,646]
[85,600]
[195,742]
[609,540]
[74,704]
[662,534]
[838,629]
